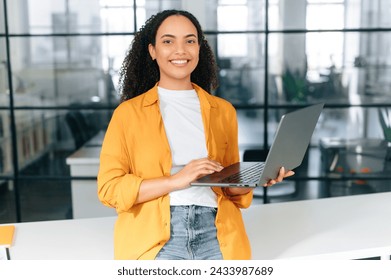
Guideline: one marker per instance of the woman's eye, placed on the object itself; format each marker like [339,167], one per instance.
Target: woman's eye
[167,42]
[191,41]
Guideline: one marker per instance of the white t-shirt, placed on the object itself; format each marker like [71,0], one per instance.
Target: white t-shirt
[181,113]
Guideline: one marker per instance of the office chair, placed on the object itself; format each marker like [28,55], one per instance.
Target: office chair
[79,128]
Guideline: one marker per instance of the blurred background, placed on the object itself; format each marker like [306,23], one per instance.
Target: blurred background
[59,64]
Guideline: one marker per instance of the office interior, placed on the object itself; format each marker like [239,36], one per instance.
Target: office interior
[59,68]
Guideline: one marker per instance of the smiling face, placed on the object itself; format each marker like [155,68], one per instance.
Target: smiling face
[176,52]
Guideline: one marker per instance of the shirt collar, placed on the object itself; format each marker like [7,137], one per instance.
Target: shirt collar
[151,96]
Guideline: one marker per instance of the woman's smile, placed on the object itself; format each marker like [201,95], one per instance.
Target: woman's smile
[179,62]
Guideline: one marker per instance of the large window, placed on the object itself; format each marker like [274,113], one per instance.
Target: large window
[324,50]
[60,59]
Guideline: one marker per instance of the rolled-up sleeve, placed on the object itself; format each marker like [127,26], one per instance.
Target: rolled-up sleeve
[118,187]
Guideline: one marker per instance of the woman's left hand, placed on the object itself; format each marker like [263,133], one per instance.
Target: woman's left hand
[281,175]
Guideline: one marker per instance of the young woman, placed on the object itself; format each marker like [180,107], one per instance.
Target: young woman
[168,131]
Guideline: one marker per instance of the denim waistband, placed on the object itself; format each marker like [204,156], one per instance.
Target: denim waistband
[197,209]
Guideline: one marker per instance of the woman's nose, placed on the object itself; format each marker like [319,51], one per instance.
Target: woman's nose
[180,48]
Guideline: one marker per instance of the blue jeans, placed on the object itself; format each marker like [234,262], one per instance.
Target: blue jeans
[193,235]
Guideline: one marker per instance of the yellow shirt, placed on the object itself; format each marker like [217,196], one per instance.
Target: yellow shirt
[136,148]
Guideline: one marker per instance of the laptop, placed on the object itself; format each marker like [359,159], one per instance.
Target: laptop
[290,143]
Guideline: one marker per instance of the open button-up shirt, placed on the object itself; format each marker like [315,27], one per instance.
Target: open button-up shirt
[135,148]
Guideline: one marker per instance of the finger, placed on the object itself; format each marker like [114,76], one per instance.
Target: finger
[210,161]
[203,163]
[271,182]
[289,173]
[281,174]
[216,166]
[208,168]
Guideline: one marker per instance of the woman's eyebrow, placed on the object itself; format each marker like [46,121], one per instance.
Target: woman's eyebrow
[167,35]
[172,36]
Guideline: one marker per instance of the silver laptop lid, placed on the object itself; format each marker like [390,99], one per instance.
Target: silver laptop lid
[292,139]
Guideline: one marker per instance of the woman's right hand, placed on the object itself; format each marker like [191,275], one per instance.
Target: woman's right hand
[194,170]
[153,188]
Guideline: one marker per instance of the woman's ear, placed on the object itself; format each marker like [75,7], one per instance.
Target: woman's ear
[151,50]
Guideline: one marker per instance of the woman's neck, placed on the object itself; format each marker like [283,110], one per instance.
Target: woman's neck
[177,85]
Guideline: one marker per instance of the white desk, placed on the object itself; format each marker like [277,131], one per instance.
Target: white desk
[85,163]
[81,239]
[349,227]
[332,228]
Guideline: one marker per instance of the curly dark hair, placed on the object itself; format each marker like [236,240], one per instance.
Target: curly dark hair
[139,72]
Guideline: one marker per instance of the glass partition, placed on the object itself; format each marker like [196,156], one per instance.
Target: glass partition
[35,134]
[251,129]
[2,21]
[240,15]
[46,138]
[65,57]
[4,87]
[70,16]
[7,202]
[241,68]
[63,71]
[44,199]
[6,164]
[338,68]
[317,14]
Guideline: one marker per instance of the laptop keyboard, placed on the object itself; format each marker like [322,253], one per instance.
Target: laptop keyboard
[250,174]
